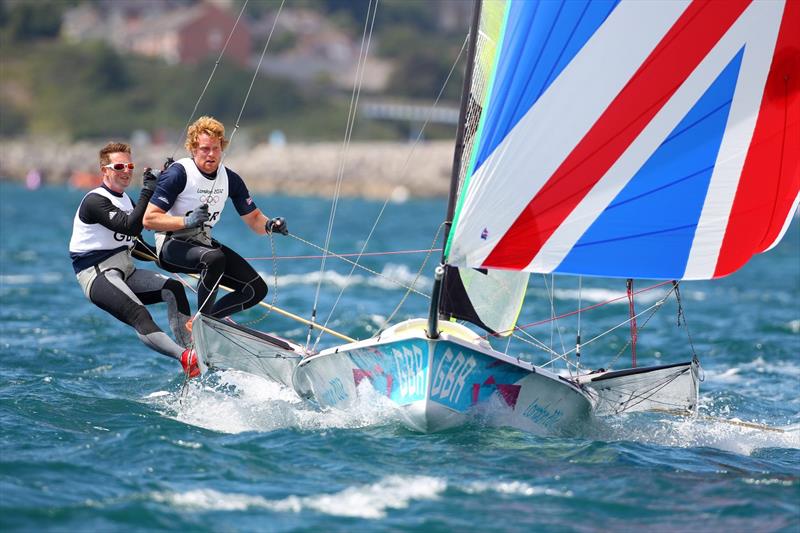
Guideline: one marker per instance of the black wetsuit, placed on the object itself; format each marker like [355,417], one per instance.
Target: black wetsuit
[123,291]
[216,263]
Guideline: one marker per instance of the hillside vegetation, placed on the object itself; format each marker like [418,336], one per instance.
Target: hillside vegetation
[88,90]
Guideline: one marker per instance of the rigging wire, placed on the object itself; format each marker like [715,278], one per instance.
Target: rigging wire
[520,333]
[658,304]
[416,278]
[350,254]
[584,309]
[403,172]
[682,314]
[255,72]
[655,307]
[230,141]
[578,338]
[553,319]
[366,38]
[362,267]
[208,81]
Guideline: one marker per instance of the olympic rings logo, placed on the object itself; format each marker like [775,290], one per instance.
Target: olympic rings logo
[210,199]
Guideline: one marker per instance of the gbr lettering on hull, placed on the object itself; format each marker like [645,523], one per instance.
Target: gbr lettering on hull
[451,375]
[410,364]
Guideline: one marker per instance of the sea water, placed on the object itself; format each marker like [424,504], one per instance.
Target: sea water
[100,434]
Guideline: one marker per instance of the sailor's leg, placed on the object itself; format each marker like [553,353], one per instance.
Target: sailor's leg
[110,293]
[151,287]
[249,287]
[183,256]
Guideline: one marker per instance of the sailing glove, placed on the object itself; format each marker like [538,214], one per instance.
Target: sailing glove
[150,179]
[277,225]
[196,218]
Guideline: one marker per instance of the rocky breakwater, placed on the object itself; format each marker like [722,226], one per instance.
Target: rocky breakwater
[371,169]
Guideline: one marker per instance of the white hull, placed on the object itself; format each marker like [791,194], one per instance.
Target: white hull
[664,388]
[437,384]
[222,344]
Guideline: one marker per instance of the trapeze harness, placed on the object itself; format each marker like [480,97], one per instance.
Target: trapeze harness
[103,237]
[181,189]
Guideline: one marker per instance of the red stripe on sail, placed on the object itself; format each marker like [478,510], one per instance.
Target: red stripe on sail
[770,178]
[689,40]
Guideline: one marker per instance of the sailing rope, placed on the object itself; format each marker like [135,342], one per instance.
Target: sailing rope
[352,254]
[416,278]
[632,310]
[366,39]
[655,307]
[578,336]
[274,284]
[230,141]
[255,73]
[551,289]
[519,331]
[362,267]
[644,324]
[682,314]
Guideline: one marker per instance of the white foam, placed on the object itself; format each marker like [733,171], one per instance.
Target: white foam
[733,435]
[729,375]
[48,278]
[188,444]
[393,277]
[235,402]
[361,501]
[765,366]
[783,482]
[514,487]
[614,297]
[368,501]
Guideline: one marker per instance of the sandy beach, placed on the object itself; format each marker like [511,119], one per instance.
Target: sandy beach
[376,170]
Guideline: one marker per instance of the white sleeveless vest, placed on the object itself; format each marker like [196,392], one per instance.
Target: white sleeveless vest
[95,237]
[198,191]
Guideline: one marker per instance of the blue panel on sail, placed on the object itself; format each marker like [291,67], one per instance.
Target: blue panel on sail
[540,39]
[648,229]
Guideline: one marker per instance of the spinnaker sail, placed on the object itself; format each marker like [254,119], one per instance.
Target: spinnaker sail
[633,139]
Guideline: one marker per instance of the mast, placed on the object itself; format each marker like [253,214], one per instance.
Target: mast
[433,313]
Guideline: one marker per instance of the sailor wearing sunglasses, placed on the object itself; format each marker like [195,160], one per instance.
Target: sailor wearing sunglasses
[104,235]
[182,215]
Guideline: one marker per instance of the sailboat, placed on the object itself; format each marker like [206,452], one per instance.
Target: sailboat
[647,140]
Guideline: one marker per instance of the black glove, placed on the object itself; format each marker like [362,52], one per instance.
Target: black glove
[196,218]
[150,179]
[277,225]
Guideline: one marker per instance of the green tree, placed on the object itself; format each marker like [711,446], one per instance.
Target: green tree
[29,21]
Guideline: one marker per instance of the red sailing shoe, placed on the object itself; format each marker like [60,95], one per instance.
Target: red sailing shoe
[189,363]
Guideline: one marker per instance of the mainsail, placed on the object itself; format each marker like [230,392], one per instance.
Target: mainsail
[631,139]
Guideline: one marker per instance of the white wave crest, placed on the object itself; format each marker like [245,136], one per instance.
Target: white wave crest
[514,487]
[362,501]
[764,366]
[598,295]
[728,434]
[368,501]
[47,278]
[392,277]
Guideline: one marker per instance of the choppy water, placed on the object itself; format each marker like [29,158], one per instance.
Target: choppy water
[96,434]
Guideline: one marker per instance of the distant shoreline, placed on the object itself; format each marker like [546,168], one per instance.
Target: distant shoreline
[378,170]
